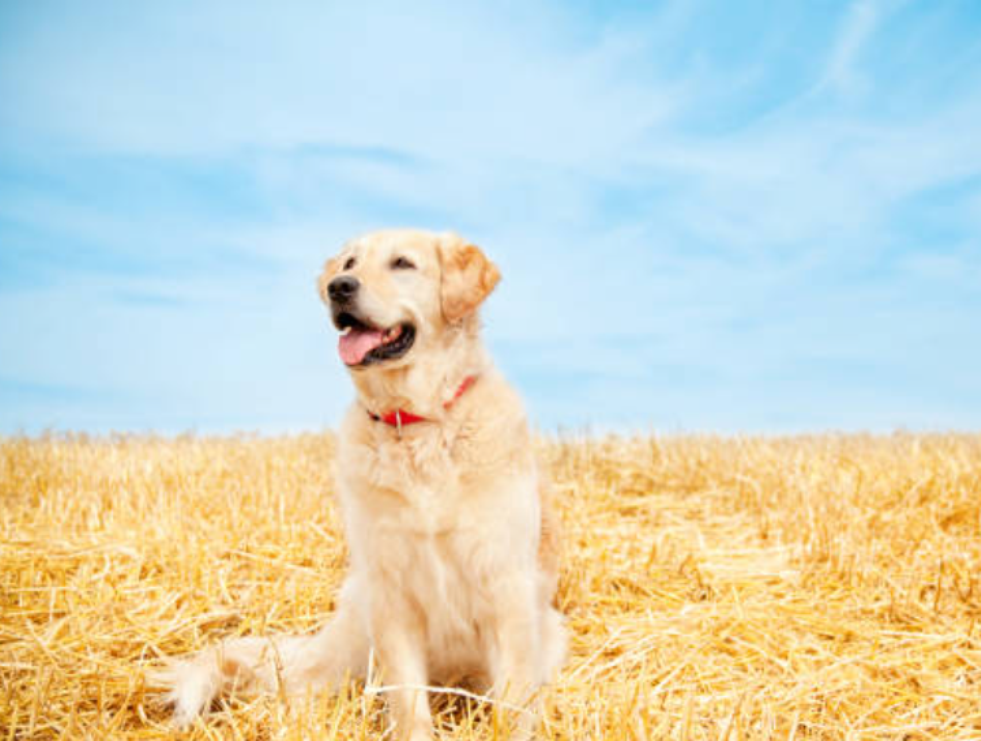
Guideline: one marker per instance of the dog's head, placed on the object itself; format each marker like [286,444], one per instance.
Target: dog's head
[392,291]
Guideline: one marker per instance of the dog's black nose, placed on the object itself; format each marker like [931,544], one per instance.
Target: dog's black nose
[342,287]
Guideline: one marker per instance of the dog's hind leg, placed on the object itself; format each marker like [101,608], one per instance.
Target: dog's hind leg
[339,651]
[294,665]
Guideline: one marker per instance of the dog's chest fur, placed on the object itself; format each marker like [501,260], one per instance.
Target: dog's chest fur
[424,482]
[422,508]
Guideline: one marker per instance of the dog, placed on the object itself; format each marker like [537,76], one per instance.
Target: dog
[453,546]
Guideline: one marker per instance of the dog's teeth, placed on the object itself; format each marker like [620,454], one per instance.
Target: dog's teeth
[346,330]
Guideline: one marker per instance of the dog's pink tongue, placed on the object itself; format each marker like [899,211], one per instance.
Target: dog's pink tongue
[354,345]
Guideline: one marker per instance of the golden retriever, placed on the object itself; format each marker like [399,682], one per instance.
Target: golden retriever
[453,550]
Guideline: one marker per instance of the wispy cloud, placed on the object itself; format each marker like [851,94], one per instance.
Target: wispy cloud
[858,25]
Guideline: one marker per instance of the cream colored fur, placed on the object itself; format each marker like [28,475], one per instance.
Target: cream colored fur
[453,562]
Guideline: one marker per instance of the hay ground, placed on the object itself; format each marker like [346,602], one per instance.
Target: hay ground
[792,588]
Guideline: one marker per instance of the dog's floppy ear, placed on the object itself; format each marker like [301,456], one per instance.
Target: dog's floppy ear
[331,268]
[468,277]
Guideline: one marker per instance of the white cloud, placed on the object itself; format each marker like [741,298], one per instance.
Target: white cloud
[840,73]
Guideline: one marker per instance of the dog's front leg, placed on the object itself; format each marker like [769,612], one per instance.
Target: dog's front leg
[516,654]
[403,663]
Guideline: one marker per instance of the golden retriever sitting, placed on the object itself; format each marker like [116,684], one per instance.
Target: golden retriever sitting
[453,550]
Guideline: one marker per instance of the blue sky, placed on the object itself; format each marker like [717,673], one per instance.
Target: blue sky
[759,217]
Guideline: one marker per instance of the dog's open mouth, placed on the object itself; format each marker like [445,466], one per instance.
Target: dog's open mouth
[362,344]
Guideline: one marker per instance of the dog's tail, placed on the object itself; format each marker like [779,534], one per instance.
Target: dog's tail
[292,665]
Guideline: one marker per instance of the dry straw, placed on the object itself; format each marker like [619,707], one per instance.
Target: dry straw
[717,588]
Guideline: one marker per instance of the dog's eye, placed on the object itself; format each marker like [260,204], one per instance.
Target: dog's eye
[349,263]
[401,263]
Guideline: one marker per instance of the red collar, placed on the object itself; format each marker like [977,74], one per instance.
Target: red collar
[400,418]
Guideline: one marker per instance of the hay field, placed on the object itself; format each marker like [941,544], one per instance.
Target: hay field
[785,588]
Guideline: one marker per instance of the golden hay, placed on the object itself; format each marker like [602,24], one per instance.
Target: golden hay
[792,588]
